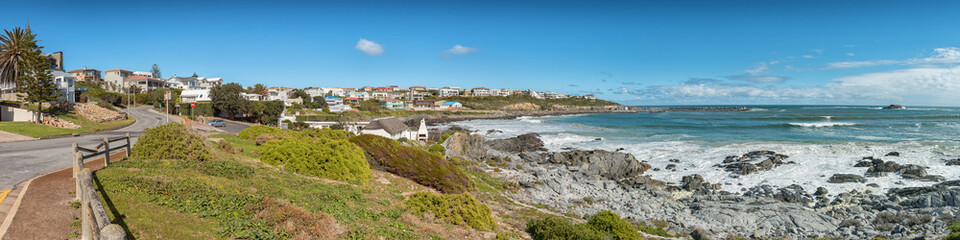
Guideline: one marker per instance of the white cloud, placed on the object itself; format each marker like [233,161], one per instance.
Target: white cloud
[850,54]
[946,55]
[369,47]
[859,64]
[807,56]
[926,85]
[460,50]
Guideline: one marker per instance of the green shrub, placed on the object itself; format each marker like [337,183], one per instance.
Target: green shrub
[553,227]
[437,149]
[954,232]
[225,169]
[251,133]
[170,141]
[610,223]
[331,158]
[414,164]
[460,209]
[326,133]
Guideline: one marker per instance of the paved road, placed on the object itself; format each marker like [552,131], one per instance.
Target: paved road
[233,127]
[21,161]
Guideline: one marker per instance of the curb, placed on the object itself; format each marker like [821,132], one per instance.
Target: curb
[16,206]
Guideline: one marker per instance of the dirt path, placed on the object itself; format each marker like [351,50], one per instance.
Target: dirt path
[45,212]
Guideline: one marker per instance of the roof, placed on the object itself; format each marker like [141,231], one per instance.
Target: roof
[331,97]
[418,87]
[83,69]
[140,78]
[118,70]
[480,88]
[389,100]
[452,103]
[392,125]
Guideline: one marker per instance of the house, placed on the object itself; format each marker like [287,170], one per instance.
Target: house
[145,84]
[183,82]
[394,88]
[333,91]
[314,91]
[65,85]
[367,89]
[501,92]
[448,105]
[278,93]
[352,100]
[252,96]
[89,75]
[335,104]
[480,91]
[418,88]
[423,104]
[413,95]
[393,128]
[362,96]
[115,79]
[380,95]
[196,95]
[590,96]
[391,103]
[142,73]
[383,89]
[396,95]
[210,82]
[449,91]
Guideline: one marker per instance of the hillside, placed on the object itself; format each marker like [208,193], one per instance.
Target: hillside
[523,103]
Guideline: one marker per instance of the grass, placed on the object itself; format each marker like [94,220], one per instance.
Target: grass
[42,131]
[249,147]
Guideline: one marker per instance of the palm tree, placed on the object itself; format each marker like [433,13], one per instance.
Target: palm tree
[14,47]
[260,89]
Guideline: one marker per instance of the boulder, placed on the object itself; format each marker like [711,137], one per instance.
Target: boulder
[846,178]
[820,191]
[529,142]
[895,154]
[752,162]
[695,182]
[464,145]
[952,162]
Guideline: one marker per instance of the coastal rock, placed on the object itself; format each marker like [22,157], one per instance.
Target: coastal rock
[952,162]
[895,154]
[791,194]
[820,191]
[695,182]
[846,178]
[752,162]
[464,145]
[529,142]
[881,168]
[599,163]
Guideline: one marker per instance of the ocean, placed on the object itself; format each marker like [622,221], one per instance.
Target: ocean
[822,140]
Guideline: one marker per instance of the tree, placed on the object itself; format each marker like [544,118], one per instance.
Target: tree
[15,45]
[299,93]
[195,74]
[155,71]
[259,89]
[34,84]
[226,98]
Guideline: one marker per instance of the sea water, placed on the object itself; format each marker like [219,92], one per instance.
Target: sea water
[822,140]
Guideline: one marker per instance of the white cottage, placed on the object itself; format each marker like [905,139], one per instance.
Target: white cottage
[393,128]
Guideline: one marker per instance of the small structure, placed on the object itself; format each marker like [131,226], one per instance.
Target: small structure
[252,96]
[418,88]
[449,105]
[480,91]
[196,95]
[391,103]
[393,128]
[423,104]
[449,91]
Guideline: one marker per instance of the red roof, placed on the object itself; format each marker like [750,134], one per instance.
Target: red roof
[118,70]
[139,78]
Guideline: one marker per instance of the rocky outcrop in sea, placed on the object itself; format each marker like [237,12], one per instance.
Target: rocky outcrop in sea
[582,182]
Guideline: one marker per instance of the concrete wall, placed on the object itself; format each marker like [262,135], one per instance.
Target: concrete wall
[8,114]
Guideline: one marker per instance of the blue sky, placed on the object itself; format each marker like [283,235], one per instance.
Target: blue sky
[634,52]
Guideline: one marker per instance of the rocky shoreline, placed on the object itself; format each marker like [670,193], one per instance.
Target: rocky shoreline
[583,182]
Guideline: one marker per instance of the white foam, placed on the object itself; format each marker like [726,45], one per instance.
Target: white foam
[822,124]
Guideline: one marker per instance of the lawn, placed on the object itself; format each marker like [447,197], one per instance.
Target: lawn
[40,131]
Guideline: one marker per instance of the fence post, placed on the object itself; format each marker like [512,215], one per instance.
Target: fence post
[77,161]
[85,232]
[113,232]
[106,148]
[128,144]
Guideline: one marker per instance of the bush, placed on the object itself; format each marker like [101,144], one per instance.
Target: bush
[170,141]
[415,164]
[954,232]
[610,223]
[327,133]
[437,149]
[553,227]
[200,109]
[460,209]
[251,133]
[330,158]
[227,147]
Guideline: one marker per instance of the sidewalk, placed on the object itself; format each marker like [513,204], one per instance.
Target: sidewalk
[42,208]
[13,137]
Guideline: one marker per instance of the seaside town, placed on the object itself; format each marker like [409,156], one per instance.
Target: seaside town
[479,120]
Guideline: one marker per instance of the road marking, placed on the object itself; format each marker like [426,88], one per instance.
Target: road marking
[3,195]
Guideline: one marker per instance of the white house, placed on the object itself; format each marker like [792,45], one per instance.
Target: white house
[449,91]
[363,96]
[448,105]
[278,93]
[65,87]
[195,95]
[252,96]
[335,104]
[183,82]
[142,73]
[480,91]
[393,128]
[333,91]
[116,79]
[313,91]
[501,92]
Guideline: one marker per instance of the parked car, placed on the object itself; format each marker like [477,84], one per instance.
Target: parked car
[217,123]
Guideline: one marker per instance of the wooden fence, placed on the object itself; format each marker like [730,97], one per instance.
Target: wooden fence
[94,222]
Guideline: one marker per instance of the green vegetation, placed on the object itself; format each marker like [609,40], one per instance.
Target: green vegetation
[251,133]
[323,156]
[247,147]
[954,231]
[460,209]
[40,131]
[611,224]
[437,149]
[170,141]
[199,109]
[415,164]
[227,169]
[226,99]
[500,102]
[559,228]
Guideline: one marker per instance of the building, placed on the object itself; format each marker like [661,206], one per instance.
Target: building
[89,75]
[142,73]
[252,96]
[145,84]
[393,128]
[480,91]
[334,91]
[449,105]
[362,96]
[335,104]
[210,82]
[65,85]
[449,91]
[183,82]
[116,79]
[418,88]
[590,96]
[423,105]
[391,103]
[195,95]
[380,95]
[352,100]
[383,89]
[414,95]
[278,93]
[501,92]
